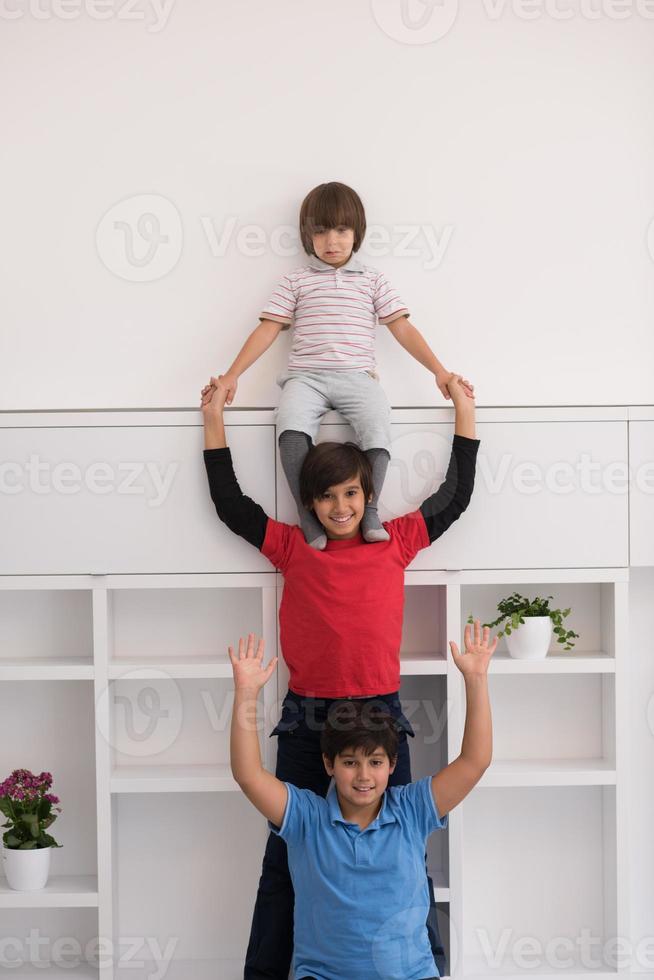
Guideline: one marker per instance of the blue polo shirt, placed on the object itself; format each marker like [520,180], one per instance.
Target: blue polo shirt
[361,896]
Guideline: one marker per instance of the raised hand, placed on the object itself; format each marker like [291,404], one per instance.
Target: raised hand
[474,662]
[247,666]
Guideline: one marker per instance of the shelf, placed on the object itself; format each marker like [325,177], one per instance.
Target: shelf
[554,663]
[61,891]
[477,969]
[64,969]
[549,772]
[214,969]
[173,779]
[441,887]
[422,663]
[47,669]
[178,667]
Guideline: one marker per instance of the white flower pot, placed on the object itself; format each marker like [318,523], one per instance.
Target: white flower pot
[26,871]
[532,639]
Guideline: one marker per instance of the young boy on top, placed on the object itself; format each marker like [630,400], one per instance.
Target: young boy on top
[356,857]
[334,302]
[349,599]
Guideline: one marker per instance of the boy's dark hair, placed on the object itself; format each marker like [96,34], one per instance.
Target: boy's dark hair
[330,463]
[328,206]
[355,725]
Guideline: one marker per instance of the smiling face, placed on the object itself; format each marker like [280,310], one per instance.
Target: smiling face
[340,509]
[333,245]
[360,779]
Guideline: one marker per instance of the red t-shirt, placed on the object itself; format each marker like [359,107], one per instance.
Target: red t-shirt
[341,611]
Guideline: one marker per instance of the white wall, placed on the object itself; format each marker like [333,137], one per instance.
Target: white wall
[521,141]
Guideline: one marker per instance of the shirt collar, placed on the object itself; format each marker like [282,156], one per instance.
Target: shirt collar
[384,816]
[353,264]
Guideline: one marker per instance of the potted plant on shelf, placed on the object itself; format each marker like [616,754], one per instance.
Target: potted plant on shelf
[528,625]
[28,807]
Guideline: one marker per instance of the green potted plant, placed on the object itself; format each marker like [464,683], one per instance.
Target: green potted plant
[528,625]
[28,807]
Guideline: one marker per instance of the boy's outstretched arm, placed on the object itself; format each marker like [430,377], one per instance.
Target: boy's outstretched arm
[447,504]
[241,514]
[256,344]
[455,781]
[410,338]
[264,790]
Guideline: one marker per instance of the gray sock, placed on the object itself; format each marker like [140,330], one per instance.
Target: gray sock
[293,448]
[371,526]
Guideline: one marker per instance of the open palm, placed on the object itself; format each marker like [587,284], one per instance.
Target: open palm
[247,665]
[478,651]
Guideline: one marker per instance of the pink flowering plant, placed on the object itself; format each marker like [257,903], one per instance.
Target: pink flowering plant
[28,807]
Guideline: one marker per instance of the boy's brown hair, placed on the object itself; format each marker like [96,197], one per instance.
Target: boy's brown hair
[330,463]
[354,725]
[328,206]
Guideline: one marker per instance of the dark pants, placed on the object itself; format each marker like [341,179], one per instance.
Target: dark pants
[299,761]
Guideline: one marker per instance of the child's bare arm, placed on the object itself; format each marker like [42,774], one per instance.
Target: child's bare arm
[410,338]
[264,790]
[257,343]
[455,781]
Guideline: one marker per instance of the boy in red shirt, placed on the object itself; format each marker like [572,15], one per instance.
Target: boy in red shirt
[349,599]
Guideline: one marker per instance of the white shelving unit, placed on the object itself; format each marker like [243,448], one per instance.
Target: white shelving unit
[160,844]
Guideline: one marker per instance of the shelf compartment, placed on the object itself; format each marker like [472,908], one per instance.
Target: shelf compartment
[565,717]
[173,779]
[556,849]
[54,726]
[192,625]
[424,630]
[208,843]
[61,891]
[592,617]
[50,942]
[158,722]
[39,627]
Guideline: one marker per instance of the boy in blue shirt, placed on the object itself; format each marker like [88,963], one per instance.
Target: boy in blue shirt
[357,857]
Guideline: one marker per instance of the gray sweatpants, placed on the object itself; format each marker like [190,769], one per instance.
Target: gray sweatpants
[359,398]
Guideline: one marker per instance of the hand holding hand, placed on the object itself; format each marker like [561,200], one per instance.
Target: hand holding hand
[474,662]
[444,377]
[248,669]
[230,382]
[213,396]
[460,394]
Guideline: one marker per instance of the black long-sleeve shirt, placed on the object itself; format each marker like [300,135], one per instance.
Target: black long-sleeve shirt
[248,519]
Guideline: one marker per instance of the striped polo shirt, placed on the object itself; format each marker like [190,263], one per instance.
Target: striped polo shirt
[334,313]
